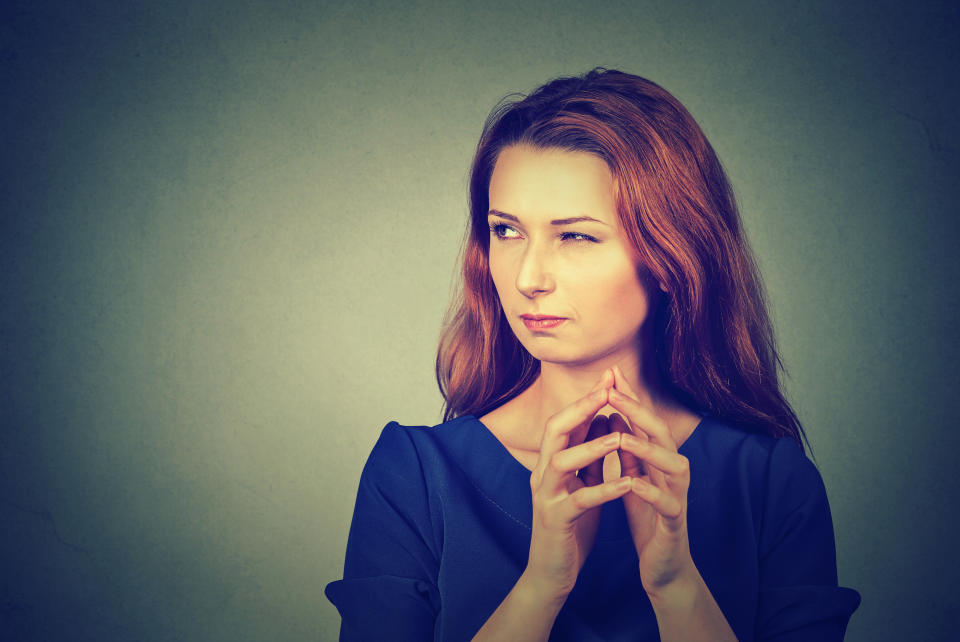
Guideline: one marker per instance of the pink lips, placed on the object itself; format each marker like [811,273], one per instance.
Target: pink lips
[541,321]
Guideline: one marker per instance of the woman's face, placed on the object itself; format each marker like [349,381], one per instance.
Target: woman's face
[565,273]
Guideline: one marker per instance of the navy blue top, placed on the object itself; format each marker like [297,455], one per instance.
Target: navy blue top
[441,532]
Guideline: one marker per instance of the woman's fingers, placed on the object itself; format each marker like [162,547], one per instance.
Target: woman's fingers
[650,438]
[669,478]
[607,379]
[620,383]
[673,465]
[645,419]
[569,429]
[583,432]
[569,461]
[635,466]
[668,505]
[592,473]
[642,418]
[582,500]
[630,466]
[556,433]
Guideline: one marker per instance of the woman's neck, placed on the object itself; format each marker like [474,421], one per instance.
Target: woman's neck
[560,385]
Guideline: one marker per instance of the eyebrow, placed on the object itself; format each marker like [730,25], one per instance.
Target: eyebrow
[557,221]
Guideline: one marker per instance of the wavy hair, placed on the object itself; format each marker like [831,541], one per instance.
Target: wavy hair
[712,337]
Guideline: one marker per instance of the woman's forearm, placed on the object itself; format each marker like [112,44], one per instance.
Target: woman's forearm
[687,612]
[526,614]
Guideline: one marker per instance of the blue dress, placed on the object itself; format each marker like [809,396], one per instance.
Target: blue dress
[441,532]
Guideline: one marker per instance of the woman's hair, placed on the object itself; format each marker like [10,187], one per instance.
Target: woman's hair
[712,337]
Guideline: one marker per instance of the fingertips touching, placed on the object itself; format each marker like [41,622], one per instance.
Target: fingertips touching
[606,380]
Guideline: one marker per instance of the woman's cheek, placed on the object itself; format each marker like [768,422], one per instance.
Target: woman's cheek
[500,274]
[622,295]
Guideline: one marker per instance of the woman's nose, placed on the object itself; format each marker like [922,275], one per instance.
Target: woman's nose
[534,276]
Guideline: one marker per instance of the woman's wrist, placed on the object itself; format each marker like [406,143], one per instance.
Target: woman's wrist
[541,594]
[686,610]
[526,614]
[681,590]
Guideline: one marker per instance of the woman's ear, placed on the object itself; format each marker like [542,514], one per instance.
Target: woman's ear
[663,287]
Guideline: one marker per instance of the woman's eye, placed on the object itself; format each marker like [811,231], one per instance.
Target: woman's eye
[576,236]
[502,231]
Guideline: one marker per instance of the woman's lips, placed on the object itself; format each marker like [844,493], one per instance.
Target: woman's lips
[541,322]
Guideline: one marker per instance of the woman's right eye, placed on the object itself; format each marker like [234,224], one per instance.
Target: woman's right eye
[503,232]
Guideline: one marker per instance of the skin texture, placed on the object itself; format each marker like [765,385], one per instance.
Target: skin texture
[590,399]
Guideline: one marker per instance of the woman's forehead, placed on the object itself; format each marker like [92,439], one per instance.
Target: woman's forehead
[552,184]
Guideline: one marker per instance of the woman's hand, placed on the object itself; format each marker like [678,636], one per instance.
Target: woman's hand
[565,505]
[657,504]
[565,516]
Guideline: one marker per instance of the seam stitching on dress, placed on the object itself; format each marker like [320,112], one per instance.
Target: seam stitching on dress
[501,508]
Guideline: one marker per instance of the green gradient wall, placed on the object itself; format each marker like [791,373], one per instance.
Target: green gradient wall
[228,235]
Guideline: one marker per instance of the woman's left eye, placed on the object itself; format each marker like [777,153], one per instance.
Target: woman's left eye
[576,236]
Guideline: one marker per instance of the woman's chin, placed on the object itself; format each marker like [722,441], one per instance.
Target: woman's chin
[567,359]
[571,356]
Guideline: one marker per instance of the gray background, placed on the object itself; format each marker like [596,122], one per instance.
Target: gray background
[229,233]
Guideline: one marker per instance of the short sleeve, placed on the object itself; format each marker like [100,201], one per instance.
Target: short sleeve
[800,598]
[388,590]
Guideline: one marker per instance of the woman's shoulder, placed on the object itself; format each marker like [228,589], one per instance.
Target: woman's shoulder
[720,435]
[440,461]
[397,438]
[402,448]
[722,444]
[772,474]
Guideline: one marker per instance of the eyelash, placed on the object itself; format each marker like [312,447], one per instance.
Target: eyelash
[497,230]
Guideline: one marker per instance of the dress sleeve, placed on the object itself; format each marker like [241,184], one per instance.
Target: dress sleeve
[388,590]
[799,596]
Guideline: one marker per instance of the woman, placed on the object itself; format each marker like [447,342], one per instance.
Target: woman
[617,460]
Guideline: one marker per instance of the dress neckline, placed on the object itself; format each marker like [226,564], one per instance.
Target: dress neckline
[503,451]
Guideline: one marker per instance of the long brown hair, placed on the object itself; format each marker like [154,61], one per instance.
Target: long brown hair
[711,333]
